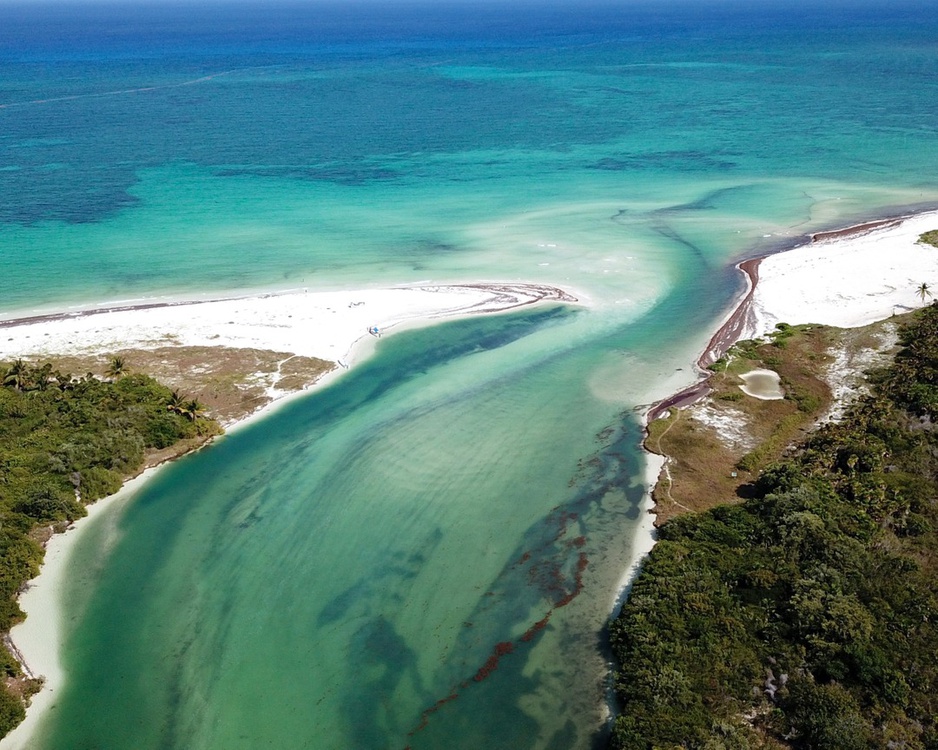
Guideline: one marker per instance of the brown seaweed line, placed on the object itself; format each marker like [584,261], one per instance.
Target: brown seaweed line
[503,648]
[581,564]
[425,716]
[537,627]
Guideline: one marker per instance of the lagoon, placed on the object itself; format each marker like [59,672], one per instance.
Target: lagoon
[332,574]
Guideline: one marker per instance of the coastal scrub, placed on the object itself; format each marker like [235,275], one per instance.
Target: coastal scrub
[929,238]
[806,616]
[66,442]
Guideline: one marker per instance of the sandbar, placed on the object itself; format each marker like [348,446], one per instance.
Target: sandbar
[326,325]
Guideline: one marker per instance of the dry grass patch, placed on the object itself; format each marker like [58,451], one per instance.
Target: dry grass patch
[800,356]
[699,471]
[297,373]
[703,456]
[707,469]
[231,383]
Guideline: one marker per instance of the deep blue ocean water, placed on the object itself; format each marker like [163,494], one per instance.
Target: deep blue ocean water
[330,576]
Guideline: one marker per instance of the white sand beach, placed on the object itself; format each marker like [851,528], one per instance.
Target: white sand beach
[37,639]
[847,278]
[847,281]
[326,325]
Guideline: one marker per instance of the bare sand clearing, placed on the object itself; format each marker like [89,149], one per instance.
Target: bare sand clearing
[762,384]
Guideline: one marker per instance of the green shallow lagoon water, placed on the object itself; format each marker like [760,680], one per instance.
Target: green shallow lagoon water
[465,503]
[336,569]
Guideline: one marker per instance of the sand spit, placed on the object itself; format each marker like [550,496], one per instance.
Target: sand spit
[315,324]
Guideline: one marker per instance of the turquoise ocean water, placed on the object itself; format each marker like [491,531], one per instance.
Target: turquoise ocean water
[424,553]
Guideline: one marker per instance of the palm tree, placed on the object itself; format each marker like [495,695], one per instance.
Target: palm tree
[63,380]
[924,291]
[116,368]
[42,377]
[193,409]
[17,375]
[177,402]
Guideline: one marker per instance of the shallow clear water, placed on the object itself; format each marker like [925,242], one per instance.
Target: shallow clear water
[327,576]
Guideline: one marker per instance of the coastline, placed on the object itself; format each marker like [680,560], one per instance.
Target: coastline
[754,312]
[239,354]
[846,278]
[839,295]
[37,640]
[302,322]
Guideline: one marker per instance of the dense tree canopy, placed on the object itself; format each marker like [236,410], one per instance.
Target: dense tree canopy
[810,611]
[65,442]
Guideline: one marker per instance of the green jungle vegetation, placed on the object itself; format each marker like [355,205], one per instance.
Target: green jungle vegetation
[806,616]
[66,442]
[929,238]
